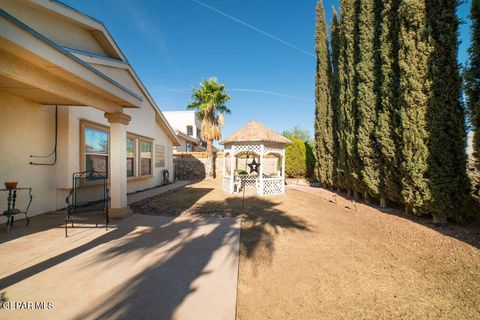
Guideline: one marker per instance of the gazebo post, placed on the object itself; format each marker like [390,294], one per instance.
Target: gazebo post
[232,168]
[262,151]
[283,171]
[224,166]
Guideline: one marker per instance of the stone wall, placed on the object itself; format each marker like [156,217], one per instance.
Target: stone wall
[192,166]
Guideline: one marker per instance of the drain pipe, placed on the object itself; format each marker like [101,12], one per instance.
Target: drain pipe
[54,152]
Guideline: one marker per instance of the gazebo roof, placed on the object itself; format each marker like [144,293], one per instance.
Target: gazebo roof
[254,131]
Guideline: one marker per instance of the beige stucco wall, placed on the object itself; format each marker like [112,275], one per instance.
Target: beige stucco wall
[27,128]
[143,123]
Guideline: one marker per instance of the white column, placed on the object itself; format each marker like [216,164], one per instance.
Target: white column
[283,171]
[232,168]
[279,164]
[262,150]
[224,174]
[118,164]
[224,163]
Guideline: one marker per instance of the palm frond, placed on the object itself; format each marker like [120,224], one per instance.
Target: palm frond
[221,120]
[209,101]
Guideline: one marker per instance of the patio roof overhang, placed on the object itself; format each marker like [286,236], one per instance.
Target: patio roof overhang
[33,67]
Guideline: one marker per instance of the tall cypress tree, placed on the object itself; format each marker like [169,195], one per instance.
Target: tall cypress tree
[323,110]
[366,106]
[335,91]
[387,74]
[447,172]
[415,88]
[347,167]
[472,77]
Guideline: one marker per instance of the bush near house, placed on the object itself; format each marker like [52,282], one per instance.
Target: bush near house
[299,161]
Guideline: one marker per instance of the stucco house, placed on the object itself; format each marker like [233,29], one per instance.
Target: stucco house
[188,128]
[70,99]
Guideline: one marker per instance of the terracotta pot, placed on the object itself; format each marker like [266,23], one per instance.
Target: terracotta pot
[11,185]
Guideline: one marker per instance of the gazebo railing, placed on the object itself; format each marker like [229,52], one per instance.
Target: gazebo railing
[272,186]
[247,180]
[226,183]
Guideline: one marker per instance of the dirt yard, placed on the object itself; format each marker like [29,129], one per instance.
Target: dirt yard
[303,257]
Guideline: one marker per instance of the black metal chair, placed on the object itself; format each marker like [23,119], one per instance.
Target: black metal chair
[11,205]
[89,188]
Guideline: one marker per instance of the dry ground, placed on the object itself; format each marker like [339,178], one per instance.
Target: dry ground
[303,257]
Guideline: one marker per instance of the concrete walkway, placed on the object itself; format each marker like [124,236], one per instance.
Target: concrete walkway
[138,196]
[144,267]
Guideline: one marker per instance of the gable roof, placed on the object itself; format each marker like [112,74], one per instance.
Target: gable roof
[96,27]
[102,35]
[254,131]
[185,136]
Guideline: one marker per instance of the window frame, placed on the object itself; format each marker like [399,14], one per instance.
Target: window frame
[137,157]
[84,124]
[157,147]
[138,169]
[140,157]
[191,130]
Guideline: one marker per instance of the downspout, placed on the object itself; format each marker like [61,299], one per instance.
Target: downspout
[54,152]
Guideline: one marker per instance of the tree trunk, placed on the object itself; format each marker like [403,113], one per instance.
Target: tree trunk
[439,219]
[355,195]
[366,198]
[210,160]
[383,202]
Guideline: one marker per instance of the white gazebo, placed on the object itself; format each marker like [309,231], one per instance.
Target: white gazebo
[252,145]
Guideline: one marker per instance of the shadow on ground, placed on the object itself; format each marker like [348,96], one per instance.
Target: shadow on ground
[161,288]
[261,217]
[169,279]
[147,294]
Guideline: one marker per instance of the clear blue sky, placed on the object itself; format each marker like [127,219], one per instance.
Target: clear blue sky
[262,50]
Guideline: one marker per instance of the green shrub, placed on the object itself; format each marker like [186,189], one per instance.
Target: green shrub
[299,161]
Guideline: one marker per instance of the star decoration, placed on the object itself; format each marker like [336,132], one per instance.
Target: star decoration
[254,166]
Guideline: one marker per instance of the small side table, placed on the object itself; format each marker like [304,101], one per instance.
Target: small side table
[11,201]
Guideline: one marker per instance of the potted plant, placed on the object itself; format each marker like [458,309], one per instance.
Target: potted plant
[11,185]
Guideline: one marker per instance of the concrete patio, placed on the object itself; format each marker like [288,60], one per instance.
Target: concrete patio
[144,267]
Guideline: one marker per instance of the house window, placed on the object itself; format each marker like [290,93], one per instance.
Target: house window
[159,156]
[145,158]
[131,142]
[190,130]
[96,149]
[189,146]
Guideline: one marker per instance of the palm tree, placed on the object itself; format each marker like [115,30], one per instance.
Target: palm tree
[209,101]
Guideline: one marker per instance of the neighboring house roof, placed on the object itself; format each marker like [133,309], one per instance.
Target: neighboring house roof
[184,136]
[103,36]
[254,131]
